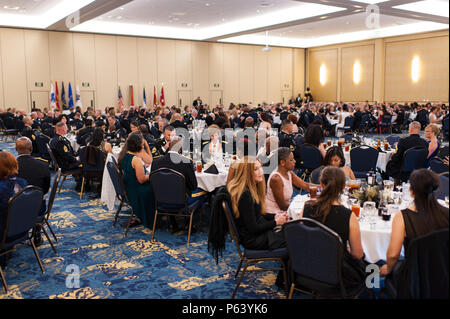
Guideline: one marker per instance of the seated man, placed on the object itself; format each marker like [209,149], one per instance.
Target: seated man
[394,166]
[64,153]
[161,145]
[35,171]
[174,160]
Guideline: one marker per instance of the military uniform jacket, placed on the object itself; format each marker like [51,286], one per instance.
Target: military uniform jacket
[63,151]
[35,171]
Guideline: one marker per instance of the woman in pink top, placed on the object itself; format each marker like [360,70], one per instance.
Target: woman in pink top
[280,182]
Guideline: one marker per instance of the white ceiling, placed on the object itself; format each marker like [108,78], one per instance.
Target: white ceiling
[293,23]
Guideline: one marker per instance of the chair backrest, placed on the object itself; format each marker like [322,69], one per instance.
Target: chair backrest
[426,267]
[23,209]
[348,137]
[310,156]
[363,158]
[315,175]
[413,159]
[175,194]
[52,156]
[443,190]
[116,179]
[232,226]
[99,159]
[386,119]
[392,139]
[52,195]
[315,251]
[365,120]
[438,166]
[349,121]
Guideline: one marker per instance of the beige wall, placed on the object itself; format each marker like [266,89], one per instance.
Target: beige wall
[385,69]
[238,73]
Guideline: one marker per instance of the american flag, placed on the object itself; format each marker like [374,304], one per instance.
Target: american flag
[120,100]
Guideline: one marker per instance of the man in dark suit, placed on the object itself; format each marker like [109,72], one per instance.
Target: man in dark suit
[35,171]
[393,168]
[86,133]
[174,160]
[178,121]
[198,102]
[423,117]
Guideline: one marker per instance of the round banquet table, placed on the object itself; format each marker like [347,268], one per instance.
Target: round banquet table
[209,182]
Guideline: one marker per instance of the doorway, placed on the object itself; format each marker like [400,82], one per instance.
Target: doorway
[184,98]
[87,99]
[215,98]
[286,96]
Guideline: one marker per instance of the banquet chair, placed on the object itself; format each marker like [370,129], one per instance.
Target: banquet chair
[249,256]
[413,159]
[8,128]
[386,122]
[424,272]
[392,139]
[41,141]
[445,128]
[348,124]
[42,221]
[310,159]
[90,171]
[348,137]
[438,166]
[363,160]
[121,194]
[442,191]
[23,210]
[171,201]
[365,124]
[316,260]
[315,175]
[64,174]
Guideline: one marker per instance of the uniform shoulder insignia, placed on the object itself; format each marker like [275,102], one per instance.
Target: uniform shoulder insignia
[65,149]
[292,147]
[41,159]
[206,142]
[154,150]
[225,142]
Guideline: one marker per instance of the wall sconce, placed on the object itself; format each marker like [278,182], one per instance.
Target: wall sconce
[415,69]
[323,74]
[356,72]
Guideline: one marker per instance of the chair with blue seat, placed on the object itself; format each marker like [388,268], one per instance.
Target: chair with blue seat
[363,160]
[438,166]
[392,139]
[23,211]
[121,194]
[171,201]
[413,159]
[91,170]
[42,141]
[442,190]
[310,158]
[316,260]
[386,122]
[364,126]
[42,221]
[9,129]
[348,124]
[250,256]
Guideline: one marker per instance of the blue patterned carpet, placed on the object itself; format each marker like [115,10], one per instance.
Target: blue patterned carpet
[114,266]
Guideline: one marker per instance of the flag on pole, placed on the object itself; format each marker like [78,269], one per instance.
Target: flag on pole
[70,96]
[131,96]
[161,99]
[57,95]
[78,98]
[63,97]
[144,99]
[52,97]
[120,100]
[155,100]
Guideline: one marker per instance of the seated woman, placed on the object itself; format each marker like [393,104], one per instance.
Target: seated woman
[98,141]
[10,184]
[328,210]
[314,135]
[293,118]
[422,217]
[431,133]
[281,181]
[133,159]
[335,157]
[247,191]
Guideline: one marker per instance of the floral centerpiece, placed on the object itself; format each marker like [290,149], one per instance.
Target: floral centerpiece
[369,194]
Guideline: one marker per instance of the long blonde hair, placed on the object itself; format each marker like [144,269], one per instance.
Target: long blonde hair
[242,180]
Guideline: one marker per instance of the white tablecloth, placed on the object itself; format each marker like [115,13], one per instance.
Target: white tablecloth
[73,142]
[209,182]
[108,195]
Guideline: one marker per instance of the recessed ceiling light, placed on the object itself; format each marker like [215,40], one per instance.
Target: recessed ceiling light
[324,17]
[121,8]
[207,4]
[11,8]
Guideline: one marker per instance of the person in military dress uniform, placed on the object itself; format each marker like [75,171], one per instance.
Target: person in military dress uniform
[161,146]
[188,119]
[287,138]
[64,153]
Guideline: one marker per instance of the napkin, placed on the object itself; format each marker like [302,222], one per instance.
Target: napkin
[212,170]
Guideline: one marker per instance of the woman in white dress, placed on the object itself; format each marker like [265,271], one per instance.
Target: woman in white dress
[342,116]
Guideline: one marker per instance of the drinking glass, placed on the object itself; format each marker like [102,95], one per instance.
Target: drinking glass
[356,209]
[313,192]
[369,209]
[199,166]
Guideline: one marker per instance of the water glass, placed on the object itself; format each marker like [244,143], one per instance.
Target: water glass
[369,209]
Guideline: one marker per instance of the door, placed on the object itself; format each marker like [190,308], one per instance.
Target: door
[87,99]
[184,98]
[286,96]
[215,98]
[39,99]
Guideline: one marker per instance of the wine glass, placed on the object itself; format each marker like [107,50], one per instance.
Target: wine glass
[369,209]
